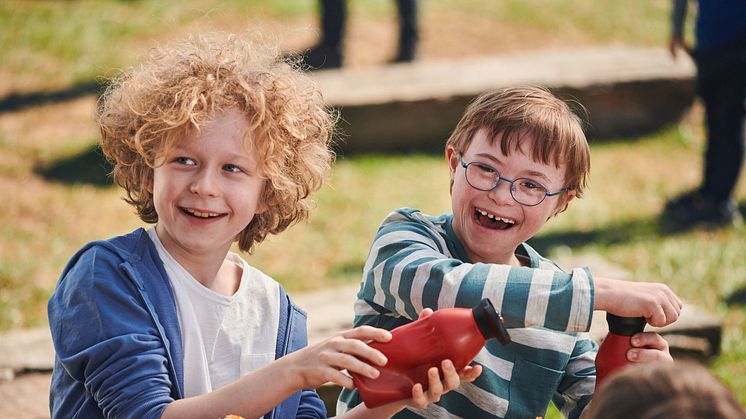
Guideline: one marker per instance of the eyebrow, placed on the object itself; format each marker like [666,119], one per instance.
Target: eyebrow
[532,173]
[230,155]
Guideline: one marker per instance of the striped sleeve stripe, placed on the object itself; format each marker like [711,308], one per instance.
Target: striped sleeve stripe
[431,411]
[580,311]
[396,281]
[424,221]
[490,403]
[451,285]
[422,274]
[406,232]
[580,388]
[499,366]
[362,308]
[380,247]
[494,287]
[378,295]
[538,297]
[543,339]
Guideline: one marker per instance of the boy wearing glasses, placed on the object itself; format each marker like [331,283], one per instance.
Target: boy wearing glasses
[517,158]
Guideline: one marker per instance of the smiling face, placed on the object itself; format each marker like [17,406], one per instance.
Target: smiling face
[490,224]
[207,189]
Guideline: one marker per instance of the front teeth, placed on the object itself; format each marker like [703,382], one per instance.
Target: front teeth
[202,214]
[495,218]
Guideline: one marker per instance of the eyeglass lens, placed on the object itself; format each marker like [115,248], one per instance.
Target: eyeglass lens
[524,191]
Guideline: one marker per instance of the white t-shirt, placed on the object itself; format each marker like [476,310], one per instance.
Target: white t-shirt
[223,337]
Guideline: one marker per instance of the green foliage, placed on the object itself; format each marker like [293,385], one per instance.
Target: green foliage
[604,21]
[73,41]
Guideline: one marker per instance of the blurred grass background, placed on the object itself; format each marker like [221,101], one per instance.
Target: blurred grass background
[58,45]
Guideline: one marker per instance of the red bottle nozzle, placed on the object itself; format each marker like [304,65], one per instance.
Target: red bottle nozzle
[490,322]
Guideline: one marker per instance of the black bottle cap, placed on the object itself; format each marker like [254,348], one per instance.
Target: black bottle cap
[490,322]
[625,326]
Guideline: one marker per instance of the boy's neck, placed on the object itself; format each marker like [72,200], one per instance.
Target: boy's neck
[211,269]
[512,260]
[224,280]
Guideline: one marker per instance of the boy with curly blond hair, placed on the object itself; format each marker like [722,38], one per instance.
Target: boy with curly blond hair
[215,141]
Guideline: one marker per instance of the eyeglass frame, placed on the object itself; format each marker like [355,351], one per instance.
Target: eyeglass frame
[465,165]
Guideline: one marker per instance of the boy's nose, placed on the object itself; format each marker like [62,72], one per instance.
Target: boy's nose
[204,183]
[501,193]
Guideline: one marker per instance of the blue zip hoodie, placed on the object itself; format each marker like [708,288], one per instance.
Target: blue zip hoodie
[117,339]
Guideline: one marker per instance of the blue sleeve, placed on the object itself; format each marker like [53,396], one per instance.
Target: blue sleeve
[106,339]
[311,405]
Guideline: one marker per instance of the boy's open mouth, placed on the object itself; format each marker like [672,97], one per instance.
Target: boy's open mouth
[199,214]
[485,219]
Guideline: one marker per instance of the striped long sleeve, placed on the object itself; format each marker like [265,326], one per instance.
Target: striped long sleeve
[416,261]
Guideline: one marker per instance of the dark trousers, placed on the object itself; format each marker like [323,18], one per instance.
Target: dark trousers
[721,84]
[334,16]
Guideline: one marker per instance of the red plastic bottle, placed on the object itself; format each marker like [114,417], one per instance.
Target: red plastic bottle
[457,334]
[612,355]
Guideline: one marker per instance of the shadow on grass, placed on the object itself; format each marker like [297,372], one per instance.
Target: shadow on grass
[616,233]
[88,167]
[606,235]
[18,101]
[737,298]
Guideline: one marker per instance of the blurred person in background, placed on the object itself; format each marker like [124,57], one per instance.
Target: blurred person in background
[328,53]
[683,390]
[720,56]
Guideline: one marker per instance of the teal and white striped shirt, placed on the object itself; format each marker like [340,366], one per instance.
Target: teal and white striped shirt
[416,261]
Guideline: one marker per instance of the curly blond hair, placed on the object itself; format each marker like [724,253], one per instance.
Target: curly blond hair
[147,110]
[515,112]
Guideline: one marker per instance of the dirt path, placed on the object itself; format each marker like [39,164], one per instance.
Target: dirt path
[27,396]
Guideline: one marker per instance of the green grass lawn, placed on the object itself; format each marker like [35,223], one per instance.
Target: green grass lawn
[58,44]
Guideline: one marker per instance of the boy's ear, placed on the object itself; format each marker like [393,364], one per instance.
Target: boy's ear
[564,201]
[452,156]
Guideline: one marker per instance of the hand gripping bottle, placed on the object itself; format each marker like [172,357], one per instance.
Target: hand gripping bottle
[612,354]
[457,334]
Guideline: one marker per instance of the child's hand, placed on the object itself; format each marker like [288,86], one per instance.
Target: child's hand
[649,347]
[324,362]
[437,387]
[656,302]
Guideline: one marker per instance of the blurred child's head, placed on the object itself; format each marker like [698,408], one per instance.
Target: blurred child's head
[521,133]
[149,110]
[665,390]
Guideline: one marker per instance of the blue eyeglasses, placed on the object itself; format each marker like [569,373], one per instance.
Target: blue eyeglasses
[524,191]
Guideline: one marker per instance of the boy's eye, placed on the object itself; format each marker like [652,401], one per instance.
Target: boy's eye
[485,168]
[185,160]
[232,168]
[529,184]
